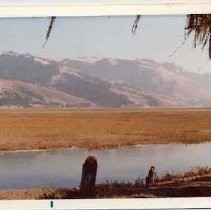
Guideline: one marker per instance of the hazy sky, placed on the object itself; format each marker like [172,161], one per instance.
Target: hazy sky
[156,38]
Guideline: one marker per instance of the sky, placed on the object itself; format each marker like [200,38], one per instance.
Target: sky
[157,38]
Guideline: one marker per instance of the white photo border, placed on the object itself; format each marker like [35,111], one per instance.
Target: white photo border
[124,7]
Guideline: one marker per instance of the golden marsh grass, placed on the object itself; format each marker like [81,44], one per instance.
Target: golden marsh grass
[56,129]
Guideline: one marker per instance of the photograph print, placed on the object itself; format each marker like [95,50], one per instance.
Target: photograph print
[105,107]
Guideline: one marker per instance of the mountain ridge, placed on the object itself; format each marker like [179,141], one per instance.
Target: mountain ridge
[33,81]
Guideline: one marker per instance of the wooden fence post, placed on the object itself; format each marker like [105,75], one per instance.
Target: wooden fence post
[152,176]
[89,172]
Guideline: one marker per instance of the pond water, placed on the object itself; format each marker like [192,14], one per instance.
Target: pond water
[62,168]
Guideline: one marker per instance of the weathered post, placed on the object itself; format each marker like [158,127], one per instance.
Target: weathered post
[152,176]
[88,178]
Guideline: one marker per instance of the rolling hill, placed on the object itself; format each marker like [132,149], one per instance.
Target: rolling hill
[31,81]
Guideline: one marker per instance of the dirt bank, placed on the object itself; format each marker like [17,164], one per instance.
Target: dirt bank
[193,186]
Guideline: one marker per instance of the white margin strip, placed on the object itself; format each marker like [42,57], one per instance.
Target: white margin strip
[103,204]
[106,9]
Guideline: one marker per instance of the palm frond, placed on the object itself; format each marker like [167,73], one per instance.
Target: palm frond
[135,25]
[52,20]
[200,25]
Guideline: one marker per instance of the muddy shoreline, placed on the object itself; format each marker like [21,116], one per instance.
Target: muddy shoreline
[192,183]
[2,152]
[197,186]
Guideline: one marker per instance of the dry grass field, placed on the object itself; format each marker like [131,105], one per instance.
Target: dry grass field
[54,129]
